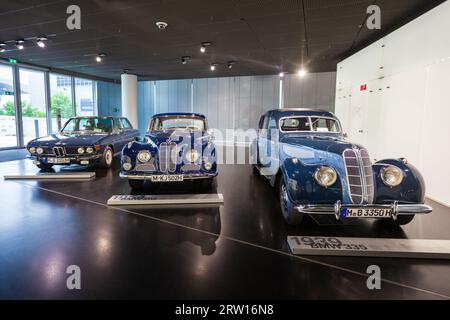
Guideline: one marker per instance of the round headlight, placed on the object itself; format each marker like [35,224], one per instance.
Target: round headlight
[325,176]
[40,150]
[192,155]
[32,150]
[127,166]
[144,156]
[90,150]
[391,176]
[80,150]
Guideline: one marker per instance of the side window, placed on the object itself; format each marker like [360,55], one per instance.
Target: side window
[117,124]
[261,122]
[266,122]
[126,124]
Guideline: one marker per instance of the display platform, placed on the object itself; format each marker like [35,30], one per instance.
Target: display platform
[369,247]
[66,176]
[166,199]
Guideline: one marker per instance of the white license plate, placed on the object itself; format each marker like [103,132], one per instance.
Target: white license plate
[58,160]
[366,213]
[167,178]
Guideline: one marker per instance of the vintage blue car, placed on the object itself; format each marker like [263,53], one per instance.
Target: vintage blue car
[83,141]
[177,147]
[316,171]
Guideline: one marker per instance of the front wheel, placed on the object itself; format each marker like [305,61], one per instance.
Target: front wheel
[45,166]
[290,215]
[107,158]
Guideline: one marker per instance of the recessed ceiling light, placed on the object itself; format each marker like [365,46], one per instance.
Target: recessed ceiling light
[281,74]
[302,72]
[230,64]
[213,67]
[2,47]
[19,44]
[204,46]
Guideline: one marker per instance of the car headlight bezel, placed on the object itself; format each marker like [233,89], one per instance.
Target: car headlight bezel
[192,155]
[90,150]
[32,150]
[80,150]
[39,150]
[319,176]
[393,171]
[144,156]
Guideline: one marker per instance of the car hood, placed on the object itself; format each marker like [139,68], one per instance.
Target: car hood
[178,136]
[330,144]
[68,140]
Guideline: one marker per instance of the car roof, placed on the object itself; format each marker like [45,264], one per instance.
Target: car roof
[169,114]
[289,112]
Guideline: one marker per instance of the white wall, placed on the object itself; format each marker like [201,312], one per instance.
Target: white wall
[405,111]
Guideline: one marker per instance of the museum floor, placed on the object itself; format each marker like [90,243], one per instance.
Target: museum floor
[236,251]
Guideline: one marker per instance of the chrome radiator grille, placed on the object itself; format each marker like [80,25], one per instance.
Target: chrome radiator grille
[359,175]
[168,157]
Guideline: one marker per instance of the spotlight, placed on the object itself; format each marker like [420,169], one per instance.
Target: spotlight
[100,57]
[2,47]
[230,64]
[41,41]
[281,74]
[185,59]
[213,67]
[204,46]
[19,44]
[302,72]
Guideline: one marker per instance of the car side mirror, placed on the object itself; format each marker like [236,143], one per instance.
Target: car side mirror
[345,135]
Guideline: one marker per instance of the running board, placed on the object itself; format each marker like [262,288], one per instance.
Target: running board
[369,247]
[166,199]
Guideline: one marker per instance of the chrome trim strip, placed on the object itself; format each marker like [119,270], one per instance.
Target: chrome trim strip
[185,176]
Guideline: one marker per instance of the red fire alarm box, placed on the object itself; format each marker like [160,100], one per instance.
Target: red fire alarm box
[363,87]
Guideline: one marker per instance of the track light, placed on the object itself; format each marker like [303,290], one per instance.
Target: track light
[2,47]
[204,46]
[100,57]
[185,59]
[230,64]
[41,41]
[19,44]
[281,74]
[302,72]
[213,67]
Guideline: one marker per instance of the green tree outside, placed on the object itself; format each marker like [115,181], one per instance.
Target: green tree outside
[59,100]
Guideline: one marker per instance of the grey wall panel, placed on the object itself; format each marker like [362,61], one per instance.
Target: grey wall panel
[108,99]
[234,102]
[316,90]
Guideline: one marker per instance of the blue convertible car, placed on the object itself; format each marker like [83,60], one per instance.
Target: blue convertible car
[317,171]
[83,141]
[176,148]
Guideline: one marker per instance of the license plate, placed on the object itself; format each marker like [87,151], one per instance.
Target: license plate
[366,213]
[167,178]
[58,160]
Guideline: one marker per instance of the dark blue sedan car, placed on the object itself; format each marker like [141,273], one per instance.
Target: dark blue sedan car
[316,171]
[83,141]
[177,147]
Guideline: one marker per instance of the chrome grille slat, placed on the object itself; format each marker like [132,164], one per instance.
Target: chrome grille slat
[168,157]
[59,151]
[360,181]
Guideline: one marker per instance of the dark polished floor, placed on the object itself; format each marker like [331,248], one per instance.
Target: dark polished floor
[236,251]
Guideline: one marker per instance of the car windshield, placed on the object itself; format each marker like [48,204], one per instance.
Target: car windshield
[310,124]
[177,122]
[89,125]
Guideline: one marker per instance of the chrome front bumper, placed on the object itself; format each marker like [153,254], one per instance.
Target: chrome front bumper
[185,176]
[397,209]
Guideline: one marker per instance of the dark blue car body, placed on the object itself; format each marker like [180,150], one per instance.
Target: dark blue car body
[65,146]
[291,161]
[168,149]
